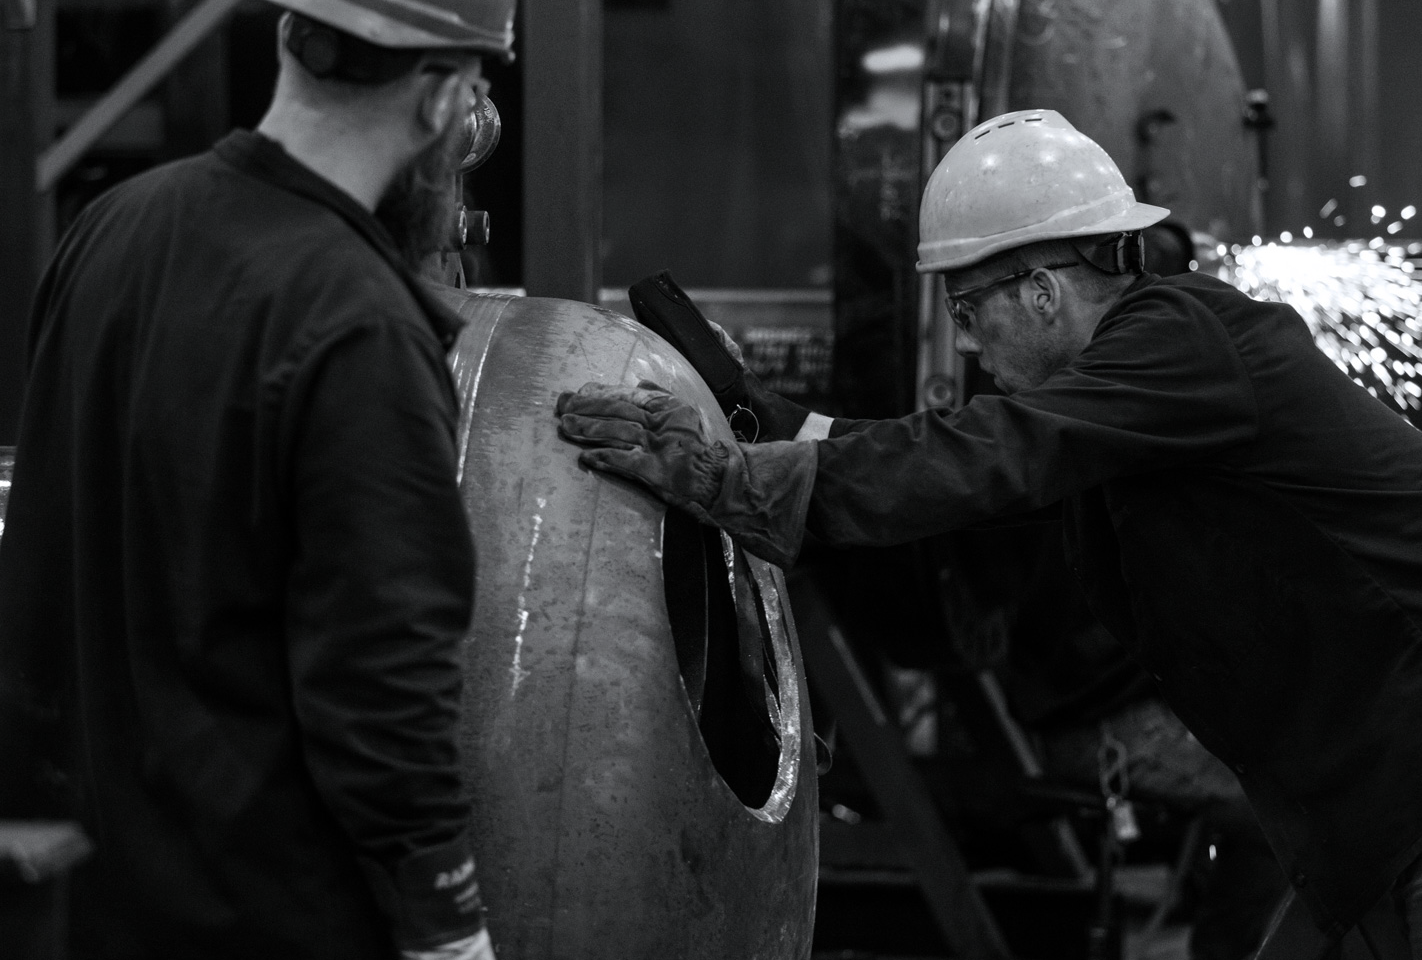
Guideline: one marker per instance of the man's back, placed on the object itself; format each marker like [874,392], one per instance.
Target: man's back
[234,533]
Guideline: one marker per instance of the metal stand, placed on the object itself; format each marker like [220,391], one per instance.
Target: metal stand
[877,745]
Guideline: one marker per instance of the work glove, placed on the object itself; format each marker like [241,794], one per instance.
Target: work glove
[755,414]
[476,947]
[758,494]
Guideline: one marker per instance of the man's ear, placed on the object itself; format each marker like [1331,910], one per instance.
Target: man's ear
[283,31]
[1044,292]
[443,96]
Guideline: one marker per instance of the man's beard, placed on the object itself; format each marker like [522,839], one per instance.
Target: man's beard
[421,205]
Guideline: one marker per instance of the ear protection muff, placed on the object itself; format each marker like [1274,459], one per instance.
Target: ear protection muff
[1114,253]
[331,54]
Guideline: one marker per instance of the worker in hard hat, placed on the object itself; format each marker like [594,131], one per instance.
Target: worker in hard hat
[236,572]
[1243,517]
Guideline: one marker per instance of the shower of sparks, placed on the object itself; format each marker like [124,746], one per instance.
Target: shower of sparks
[1360,300]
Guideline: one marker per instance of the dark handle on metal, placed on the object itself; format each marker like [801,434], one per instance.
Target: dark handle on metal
[665,309]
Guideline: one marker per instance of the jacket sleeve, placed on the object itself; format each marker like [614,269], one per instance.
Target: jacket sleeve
[1160,384]
[379,602]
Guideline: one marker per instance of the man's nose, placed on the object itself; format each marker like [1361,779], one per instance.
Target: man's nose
[966,344]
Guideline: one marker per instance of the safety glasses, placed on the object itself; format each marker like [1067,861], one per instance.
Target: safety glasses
[962,310]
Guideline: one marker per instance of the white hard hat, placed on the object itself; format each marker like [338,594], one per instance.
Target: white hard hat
[1017,179]
[482,26]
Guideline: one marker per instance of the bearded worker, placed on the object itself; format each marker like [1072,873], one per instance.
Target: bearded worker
[1244,518]
[236,571]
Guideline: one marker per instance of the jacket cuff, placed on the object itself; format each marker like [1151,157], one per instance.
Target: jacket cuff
[764,497]
[431,897]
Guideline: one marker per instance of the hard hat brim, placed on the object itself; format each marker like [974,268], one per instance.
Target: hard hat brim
[418,26]
[1137,217]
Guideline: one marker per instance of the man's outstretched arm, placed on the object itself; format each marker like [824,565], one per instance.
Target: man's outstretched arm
[758,493]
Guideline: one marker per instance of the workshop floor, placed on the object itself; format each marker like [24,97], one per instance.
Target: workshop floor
[880,921]
[1168,943]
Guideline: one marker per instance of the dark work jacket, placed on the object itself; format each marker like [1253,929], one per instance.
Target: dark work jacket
[1244,518]
[236,574]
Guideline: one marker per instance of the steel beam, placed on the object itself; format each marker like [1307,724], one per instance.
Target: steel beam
[185,36]
[561,47]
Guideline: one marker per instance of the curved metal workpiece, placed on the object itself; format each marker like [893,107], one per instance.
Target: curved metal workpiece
[637,725]
[7,470]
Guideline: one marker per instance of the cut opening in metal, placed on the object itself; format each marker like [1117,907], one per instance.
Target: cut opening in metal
[725,651]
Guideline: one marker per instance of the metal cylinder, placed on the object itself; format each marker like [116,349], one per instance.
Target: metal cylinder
[1157,84]
[637,726]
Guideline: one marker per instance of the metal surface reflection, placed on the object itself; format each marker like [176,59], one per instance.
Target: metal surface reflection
[7,471]
[638,790]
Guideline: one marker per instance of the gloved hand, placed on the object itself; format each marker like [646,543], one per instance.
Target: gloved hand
[758,494]
[477,947]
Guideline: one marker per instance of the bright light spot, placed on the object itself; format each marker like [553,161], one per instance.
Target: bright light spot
[1379,211]
[1308,232]
[1395,227]
[1339,220]
[1408,212]
[1361,301]
[1286,237]
[897,59]
[1358,181]
[1256,241]
[1222,250]
[1214,852]
[1328,209]
[1194,264]
[1236,249]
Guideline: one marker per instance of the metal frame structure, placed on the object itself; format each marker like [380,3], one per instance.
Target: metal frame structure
[958,909]
[562,201]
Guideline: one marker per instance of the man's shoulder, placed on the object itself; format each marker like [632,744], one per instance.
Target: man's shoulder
[1172,307]
[1204,303]
[1209,291]
[227,233]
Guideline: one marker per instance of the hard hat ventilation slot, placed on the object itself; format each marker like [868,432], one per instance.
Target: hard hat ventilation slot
[724,649]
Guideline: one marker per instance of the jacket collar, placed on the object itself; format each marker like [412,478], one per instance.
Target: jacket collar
[265,159]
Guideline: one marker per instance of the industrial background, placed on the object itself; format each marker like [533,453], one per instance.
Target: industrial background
[771,154]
